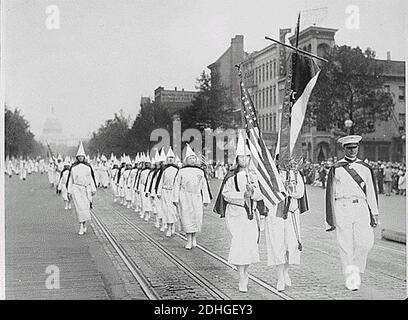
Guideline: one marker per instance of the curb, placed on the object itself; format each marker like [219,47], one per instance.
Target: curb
[393,235]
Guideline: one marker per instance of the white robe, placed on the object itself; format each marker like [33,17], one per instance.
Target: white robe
[245,233]
[190,192]
[164,191]
[125,177]
[146,203]
[62,185]
[281,241]
[80,186]
[114,184]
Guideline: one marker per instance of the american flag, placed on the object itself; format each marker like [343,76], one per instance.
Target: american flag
[270,182]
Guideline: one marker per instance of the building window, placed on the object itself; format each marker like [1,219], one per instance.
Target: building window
[274,69]
[270,70]
[274,122]
[260,75]
[401,93]
[401,118]
[267,73]
[263,98]
[267,97]
[274,94]
[259,99]
[263,72]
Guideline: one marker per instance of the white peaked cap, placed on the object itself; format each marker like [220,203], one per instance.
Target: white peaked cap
[127,160]
[112,158]
[103,158]
[67,161]
[59,156]
[147,158]
[81,151]
[170,153]
[97,159]
[189,152]
[242,149]
[355,139]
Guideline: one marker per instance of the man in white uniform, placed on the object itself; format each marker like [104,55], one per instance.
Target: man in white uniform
[352,210]
[81,186]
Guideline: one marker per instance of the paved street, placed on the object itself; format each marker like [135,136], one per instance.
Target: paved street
[39,233]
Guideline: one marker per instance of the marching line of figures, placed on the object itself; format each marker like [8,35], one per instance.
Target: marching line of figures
[173,194]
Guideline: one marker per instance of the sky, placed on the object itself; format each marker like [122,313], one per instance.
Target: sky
[106,54]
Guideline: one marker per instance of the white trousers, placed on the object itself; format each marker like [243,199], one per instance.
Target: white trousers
[354,232]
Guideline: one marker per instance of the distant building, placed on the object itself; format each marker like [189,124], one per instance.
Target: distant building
[174,100]
[224,71]
[52,132]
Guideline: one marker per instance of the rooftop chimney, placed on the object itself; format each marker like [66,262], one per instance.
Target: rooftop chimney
[388,55]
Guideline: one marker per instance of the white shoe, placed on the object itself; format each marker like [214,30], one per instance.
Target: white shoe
[188,246]
[168,233]
[66,208]
[69,207]
[243,286]
[84,229]
[281,284]
[162,228]
[146,218]
[157,224]
[115,200]
[353,280]
[173,229]
[194,242]
[128,206]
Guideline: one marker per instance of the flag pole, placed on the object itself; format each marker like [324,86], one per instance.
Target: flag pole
[297,49]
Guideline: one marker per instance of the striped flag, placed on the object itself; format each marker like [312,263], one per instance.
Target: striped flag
[269,179]
[300,81]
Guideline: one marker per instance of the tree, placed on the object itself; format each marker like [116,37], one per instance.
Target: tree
[110,137]
[350,86]
[19,140]
[211,108]
[151,116]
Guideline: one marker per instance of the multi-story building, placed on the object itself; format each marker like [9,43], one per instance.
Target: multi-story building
[264,74]
[174,100]
[260,72]
[224,71]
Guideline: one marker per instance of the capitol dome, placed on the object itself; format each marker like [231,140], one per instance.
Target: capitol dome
[52,126]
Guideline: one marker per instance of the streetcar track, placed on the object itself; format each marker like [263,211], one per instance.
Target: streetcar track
[141,279]
[257,280]
[199,279]
[136,272]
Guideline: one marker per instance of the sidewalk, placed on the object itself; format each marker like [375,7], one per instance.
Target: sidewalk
[41,234]
[393,215]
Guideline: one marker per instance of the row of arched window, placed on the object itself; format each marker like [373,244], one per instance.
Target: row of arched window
[266,71]
[267,122]
[265,97]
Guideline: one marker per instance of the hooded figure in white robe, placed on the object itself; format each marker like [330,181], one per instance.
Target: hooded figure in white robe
[190,193]
[62,185]
[237,201]
[81,186]
[164,193]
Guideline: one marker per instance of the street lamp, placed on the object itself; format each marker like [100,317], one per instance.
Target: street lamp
[348,124]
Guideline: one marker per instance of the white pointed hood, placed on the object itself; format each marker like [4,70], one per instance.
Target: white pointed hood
[242,148]
[189,152]
[81,151]
[170,153]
